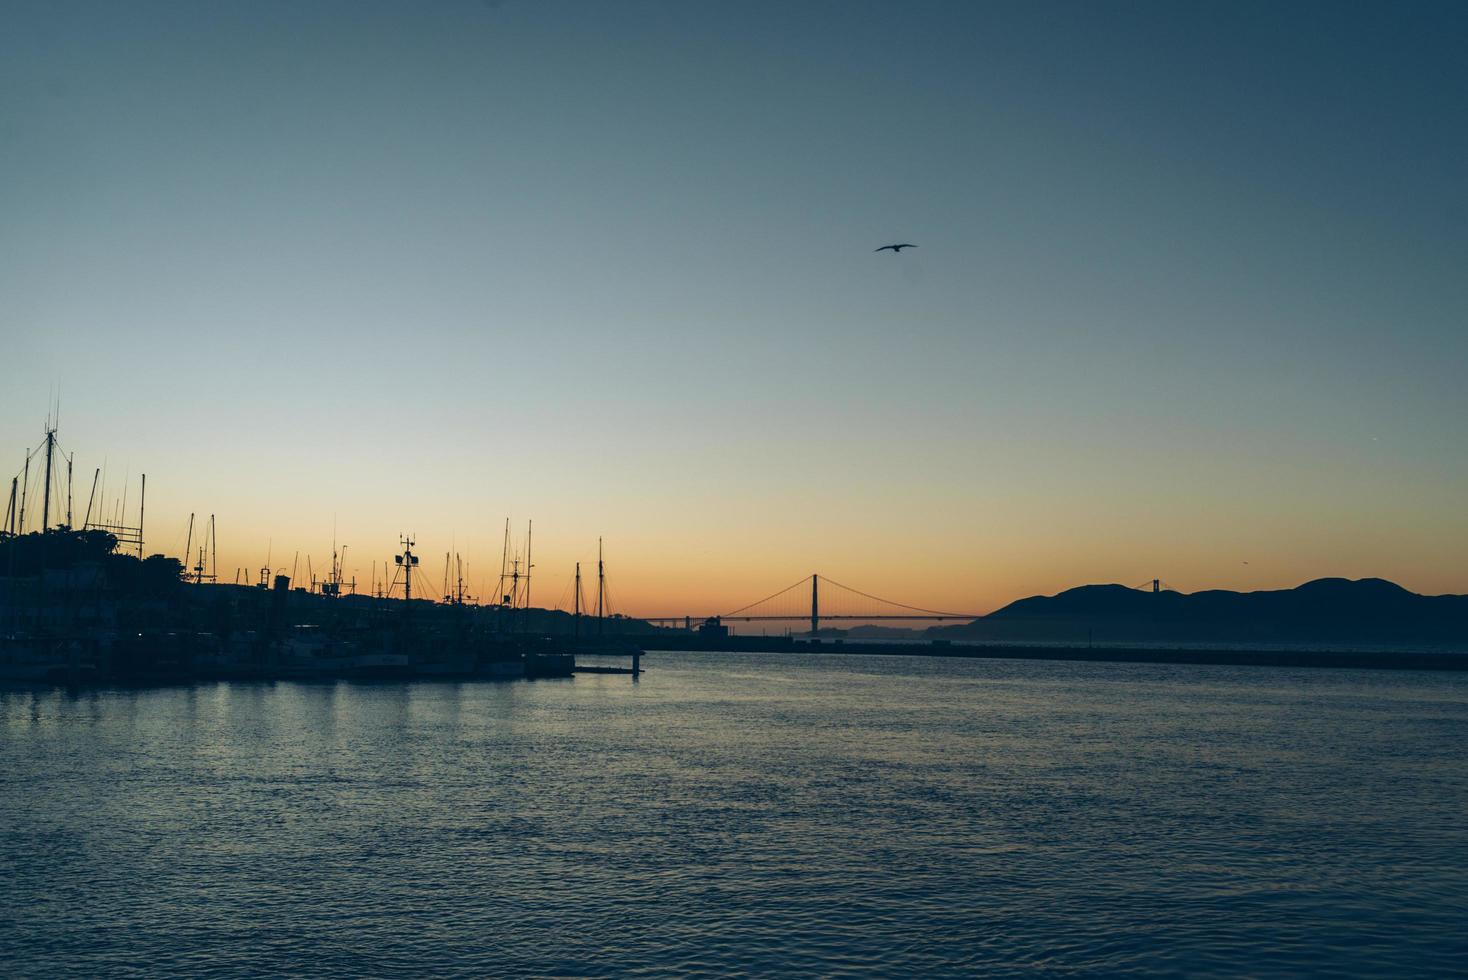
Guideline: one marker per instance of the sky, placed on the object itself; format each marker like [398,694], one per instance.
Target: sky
[1188,299]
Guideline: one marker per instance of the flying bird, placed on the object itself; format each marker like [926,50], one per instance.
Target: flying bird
[894,248]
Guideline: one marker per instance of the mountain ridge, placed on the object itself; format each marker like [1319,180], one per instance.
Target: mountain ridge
[1362,610]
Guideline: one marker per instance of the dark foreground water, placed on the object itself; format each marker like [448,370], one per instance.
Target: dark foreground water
[744,814]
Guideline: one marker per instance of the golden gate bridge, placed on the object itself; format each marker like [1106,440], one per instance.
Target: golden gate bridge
[818,599]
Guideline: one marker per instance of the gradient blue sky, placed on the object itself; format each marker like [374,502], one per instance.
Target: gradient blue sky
[1190,288]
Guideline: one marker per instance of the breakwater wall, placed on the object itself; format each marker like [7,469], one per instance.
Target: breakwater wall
[1341,659]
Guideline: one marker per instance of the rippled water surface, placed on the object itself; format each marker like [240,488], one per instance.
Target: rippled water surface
[755,814]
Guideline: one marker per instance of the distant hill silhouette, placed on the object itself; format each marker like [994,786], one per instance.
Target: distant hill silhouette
[1328,610]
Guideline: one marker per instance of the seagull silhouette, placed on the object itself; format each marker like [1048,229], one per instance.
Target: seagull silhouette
[894,248]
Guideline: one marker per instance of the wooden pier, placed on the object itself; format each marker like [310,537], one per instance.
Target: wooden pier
[635,670]
[600,669]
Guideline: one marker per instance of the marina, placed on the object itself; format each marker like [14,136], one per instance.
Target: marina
[88,605]
[83,606]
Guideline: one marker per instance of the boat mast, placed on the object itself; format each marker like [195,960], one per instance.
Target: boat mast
[188,546]
[529,528]
[504,563]
[46,497]
[407,559]
[25,483]
[91,497]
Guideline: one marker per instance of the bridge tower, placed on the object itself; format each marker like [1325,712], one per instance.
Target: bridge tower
[815,604]
[1156,585]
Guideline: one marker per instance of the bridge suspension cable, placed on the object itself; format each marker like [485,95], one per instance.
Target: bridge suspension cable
[773,595]
[889,602]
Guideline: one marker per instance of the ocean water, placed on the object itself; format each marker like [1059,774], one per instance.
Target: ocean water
[743,814]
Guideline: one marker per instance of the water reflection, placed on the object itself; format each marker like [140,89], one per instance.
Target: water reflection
[823,815]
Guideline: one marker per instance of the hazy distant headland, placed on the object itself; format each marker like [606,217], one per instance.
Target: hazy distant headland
[1331,612]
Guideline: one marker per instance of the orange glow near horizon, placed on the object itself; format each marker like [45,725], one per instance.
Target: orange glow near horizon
[657,567]
[681,541]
